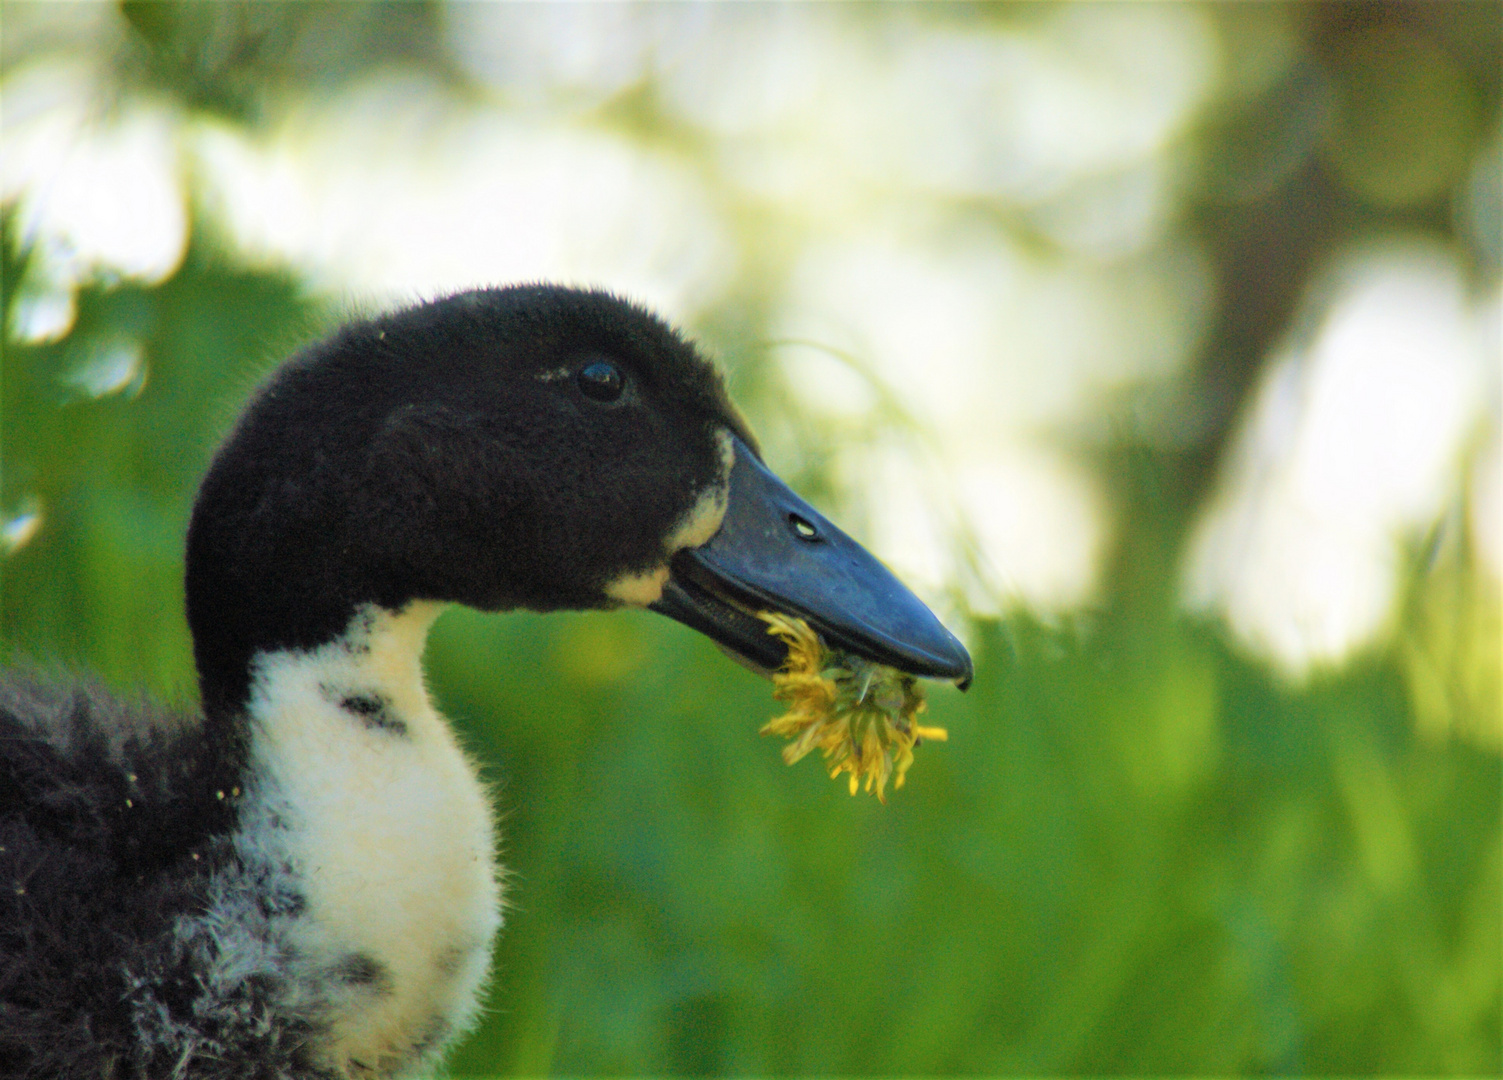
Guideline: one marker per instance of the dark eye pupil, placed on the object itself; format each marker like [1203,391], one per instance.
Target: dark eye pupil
[601,381]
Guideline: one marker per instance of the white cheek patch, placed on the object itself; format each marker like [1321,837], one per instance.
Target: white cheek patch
[638,590]
[382,821]
[701,522]
[705,516]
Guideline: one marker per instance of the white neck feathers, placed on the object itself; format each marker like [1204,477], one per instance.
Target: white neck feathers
[357,785]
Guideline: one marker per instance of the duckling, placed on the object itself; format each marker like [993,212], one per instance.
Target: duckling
[298,880]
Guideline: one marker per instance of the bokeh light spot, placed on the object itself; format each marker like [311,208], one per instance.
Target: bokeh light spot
[1352,446]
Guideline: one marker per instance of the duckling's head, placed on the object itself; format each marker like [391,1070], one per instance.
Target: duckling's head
[529,447]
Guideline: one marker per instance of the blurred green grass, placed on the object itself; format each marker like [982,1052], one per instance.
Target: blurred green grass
[1137,852]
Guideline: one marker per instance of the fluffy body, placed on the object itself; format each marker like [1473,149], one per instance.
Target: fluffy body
[341,928]
[116,845]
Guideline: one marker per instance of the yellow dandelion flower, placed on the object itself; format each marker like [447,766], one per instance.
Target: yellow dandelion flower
[859,714]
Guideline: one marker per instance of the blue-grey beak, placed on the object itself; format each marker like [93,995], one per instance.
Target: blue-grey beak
[775,551]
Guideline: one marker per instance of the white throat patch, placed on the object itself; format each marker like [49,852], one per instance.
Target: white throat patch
[363,795]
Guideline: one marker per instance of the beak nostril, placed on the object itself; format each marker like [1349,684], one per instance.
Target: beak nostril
[804,529]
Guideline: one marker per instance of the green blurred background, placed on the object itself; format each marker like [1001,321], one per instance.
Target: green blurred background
[1173,831]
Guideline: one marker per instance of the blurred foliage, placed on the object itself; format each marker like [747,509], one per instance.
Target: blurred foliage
[223,58]
[1139,852]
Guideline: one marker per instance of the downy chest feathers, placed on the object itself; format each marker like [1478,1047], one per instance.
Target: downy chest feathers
[358,790]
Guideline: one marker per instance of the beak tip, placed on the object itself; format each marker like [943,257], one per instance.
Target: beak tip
[930,652]
[966,670]
[963,682]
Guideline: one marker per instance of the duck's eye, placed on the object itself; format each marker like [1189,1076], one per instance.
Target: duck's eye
[601,381]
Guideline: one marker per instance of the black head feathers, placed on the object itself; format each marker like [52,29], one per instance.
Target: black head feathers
[517,447]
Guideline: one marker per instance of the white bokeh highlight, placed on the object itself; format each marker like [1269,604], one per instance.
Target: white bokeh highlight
[394,191]
[1022,111]
[986,351]
[1352,449]
[98,192]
